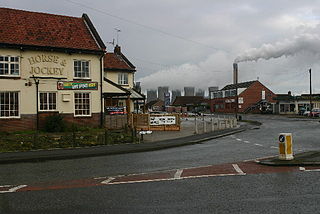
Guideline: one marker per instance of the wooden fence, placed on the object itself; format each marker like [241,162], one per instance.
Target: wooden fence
[115,122]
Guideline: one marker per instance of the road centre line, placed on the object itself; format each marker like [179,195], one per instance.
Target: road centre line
[238,139]
[273,147]
[258,144]
[178,174]
[238,170]
[246,141]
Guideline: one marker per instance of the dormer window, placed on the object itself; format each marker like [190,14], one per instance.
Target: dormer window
[81,69]
[123,79]
[9,66]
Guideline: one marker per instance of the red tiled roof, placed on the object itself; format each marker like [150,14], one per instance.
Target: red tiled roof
[113,61]
[18,27]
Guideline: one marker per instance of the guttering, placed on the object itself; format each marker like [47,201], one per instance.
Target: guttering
[50,48]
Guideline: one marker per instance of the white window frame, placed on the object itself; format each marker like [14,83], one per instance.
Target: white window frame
[48,92]
[19,104]
[123,79]
[81,68]
[10,63]
[74,105]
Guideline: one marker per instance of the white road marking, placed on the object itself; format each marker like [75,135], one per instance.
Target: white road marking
[238,170]
[13,189]
[273,147]
[108,180]
[178,174]
[232,136]
[246,141]
[302,168]
[99,178]
[172,179]
[258,144]
[308,170]
[238,139]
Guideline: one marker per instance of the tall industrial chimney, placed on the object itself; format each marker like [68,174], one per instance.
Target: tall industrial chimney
[235,73]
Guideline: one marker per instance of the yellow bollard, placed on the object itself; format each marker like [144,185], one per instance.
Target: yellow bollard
[285,146]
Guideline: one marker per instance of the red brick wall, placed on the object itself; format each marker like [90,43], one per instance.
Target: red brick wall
[29,122]
[25,122]
[252,95]
[93,121]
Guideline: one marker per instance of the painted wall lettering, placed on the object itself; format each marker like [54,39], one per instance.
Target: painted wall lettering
[36,66]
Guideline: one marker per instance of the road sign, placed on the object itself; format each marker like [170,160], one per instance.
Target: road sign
[282,138]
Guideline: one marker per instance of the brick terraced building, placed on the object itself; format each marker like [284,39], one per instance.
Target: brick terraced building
[253,96]
[49,64]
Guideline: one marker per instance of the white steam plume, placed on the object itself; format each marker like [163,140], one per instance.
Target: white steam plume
[209,72]
[305,42]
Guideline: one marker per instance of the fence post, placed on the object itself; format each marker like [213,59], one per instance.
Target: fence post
[196,124]
[212,124]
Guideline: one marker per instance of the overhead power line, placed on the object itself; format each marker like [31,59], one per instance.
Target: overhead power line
[144,26]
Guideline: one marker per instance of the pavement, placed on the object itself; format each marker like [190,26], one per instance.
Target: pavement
[177,139]
[155,141]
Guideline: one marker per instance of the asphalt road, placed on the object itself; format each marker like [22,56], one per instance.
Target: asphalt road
[286,192]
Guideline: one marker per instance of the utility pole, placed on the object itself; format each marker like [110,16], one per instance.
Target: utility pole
[310,92]
[235,81]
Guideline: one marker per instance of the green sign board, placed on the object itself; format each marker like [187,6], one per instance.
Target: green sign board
[70,85]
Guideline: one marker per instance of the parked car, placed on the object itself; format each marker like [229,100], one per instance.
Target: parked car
[315,112]
[306,113]
[302,111]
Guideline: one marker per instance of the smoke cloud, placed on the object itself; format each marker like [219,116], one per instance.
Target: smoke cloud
[213,71]
[303,43]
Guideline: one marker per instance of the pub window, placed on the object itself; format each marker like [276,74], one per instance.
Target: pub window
[48,101]
[9,104]
[123,78]
[81,69]
[9,66]
[82,104]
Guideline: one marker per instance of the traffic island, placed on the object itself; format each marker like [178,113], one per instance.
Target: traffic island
[311,158]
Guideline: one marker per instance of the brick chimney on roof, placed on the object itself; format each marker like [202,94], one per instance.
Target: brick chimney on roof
[117,50]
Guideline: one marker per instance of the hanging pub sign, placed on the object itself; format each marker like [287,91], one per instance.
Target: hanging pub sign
[70,85]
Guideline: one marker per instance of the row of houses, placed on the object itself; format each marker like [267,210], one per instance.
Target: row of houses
[59,64]
[253,97]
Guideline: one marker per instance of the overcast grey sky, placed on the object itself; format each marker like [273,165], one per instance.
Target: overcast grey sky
[194,43]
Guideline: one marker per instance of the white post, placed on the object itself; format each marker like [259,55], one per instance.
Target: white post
[212,124]
[195,124]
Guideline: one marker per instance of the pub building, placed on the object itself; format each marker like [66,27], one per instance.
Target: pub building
[49,64]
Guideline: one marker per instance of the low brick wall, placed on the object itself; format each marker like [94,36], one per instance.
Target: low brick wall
[29,121]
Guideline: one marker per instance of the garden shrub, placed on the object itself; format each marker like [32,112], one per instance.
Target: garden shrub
[55,123]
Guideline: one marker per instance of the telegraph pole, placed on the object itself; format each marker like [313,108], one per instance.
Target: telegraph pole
[235,81]
[310,92]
